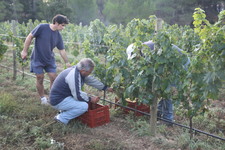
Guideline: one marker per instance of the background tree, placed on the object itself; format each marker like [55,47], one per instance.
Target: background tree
[83,11]
[173,11]
[3,10]
[53,7]
[121,12]
[13,9]
[109,11]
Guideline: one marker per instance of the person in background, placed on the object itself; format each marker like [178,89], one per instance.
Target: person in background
[66,94]
[165,106]
[47,37]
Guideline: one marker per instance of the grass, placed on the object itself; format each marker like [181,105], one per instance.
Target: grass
[24,121]
[7,103]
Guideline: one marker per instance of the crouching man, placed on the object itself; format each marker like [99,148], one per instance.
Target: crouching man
[66,94]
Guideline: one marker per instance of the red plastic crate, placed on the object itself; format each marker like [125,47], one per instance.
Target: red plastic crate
[96,115]
[141,107]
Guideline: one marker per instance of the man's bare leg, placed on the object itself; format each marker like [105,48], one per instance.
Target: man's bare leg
[40,88]
[39,84]
[52,77]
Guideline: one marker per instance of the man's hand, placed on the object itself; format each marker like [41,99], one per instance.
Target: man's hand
[95,99]
[24,54]
[109,89]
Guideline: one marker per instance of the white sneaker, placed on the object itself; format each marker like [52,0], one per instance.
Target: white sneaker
[44,101]
[56,118]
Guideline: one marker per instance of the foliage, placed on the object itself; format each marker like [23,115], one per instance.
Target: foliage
[140,127]
[173,11]
[53,7]
[204,77]
[83,12]
[121,12]
[7,103]
[3,48]
[96,33]
[108,11]
[42,143]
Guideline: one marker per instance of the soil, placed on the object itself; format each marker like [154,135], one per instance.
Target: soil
[112,136]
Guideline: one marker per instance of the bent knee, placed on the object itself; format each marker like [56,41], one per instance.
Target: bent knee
[84,107]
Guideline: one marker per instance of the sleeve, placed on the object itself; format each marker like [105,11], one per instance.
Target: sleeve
[73,79]
[36,31]
[185,66]
[90,80]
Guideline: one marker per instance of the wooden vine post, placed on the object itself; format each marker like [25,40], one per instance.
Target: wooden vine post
[14,51]
[153,112]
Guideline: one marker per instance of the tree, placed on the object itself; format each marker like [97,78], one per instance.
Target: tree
[11,9]
[51,8]
[121,12]
[83,11]
[3,10]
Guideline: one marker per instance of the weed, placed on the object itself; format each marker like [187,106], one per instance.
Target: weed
[56,145]
[96,145]
[141,127]
[162,129]
[202,122]
[42,143]
[8,105]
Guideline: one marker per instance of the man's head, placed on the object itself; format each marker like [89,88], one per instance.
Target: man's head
[131,48]
[60,19]
[59,22]
[86,66]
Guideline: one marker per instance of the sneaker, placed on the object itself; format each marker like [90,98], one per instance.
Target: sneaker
[44,101]
[57,119]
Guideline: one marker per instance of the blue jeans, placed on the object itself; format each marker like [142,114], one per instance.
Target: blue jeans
[165,109]
[70,109]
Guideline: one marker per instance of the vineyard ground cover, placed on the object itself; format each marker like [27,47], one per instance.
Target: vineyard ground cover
[28,125]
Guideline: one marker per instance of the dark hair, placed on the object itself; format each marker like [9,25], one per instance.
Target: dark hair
[60,19]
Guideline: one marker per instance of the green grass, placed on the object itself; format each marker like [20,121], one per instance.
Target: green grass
[8,105]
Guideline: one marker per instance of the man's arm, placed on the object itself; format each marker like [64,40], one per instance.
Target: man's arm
[26,46]
[92,81]
[65,58]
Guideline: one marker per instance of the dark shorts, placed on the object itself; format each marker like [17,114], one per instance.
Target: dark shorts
[39,69]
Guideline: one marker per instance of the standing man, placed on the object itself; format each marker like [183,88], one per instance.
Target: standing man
[47,37]
[66,94]
[165,106]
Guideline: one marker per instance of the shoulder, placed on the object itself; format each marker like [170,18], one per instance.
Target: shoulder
[40,27]
[43,26]
[65,73]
